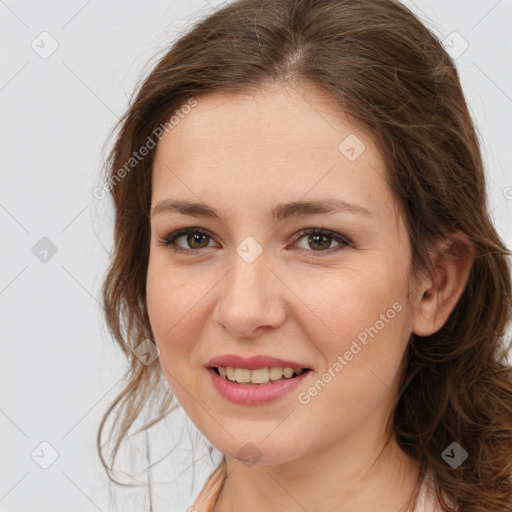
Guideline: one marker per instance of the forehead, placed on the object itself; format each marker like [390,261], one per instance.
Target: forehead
[278,117]
[275,144]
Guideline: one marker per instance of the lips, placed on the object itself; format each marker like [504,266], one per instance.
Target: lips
[255,394]
[250,393]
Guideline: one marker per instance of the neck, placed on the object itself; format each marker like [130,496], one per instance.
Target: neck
[335,478]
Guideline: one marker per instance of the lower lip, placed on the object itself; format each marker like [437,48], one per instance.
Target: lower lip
[255,394]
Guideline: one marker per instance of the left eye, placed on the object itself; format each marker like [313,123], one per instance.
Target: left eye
[317,238]
[322,239]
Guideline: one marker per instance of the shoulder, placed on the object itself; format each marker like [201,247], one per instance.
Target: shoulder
[208,495]
[427,499]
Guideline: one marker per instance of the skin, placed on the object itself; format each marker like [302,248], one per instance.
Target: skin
[242,154]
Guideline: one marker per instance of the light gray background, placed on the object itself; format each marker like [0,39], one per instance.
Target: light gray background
[60,369]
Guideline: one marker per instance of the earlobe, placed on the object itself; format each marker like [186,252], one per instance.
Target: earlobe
[439,293]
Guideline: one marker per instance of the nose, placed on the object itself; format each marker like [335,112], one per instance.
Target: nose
[250,298]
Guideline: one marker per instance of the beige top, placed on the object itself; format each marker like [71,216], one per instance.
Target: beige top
[209,493]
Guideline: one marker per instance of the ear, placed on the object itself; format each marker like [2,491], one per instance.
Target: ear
[439,292]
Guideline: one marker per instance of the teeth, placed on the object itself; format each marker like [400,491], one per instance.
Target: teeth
[276,373]
[242,375]
[259,376]
[287,372]
[230,373]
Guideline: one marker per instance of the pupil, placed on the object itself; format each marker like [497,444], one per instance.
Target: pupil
[194,237]
[315,237]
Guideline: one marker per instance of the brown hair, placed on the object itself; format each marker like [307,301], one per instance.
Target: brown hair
[387,71]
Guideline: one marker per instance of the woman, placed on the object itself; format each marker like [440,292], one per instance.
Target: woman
[304,236]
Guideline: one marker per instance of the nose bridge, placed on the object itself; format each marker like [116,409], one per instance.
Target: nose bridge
[247,281]
[247,297]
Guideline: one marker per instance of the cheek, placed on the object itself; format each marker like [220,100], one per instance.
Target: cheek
[176,308]
[173,309]
[355,306]
[360,331]
[168,301]
[361,348]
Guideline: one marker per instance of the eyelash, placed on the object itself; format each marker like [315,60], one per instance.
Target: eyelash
[169,240]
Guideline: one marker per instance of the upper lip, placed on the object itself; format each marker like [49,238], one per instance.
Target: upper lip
[253,362]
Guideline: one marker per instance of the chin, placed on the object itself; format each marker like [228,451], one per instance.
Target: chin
[259,452]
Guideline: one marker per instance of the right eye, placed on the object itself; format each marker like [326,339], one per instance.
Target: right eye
[194,238]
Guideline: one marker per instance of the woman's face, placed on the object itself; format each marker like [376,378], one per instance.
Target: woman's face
[250,284]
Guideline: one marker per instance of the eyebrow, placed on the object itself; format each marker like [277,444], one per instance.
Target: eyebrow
[279,212]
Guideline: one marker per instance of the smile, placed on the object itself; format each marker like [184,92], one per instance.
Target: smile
[251,394]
